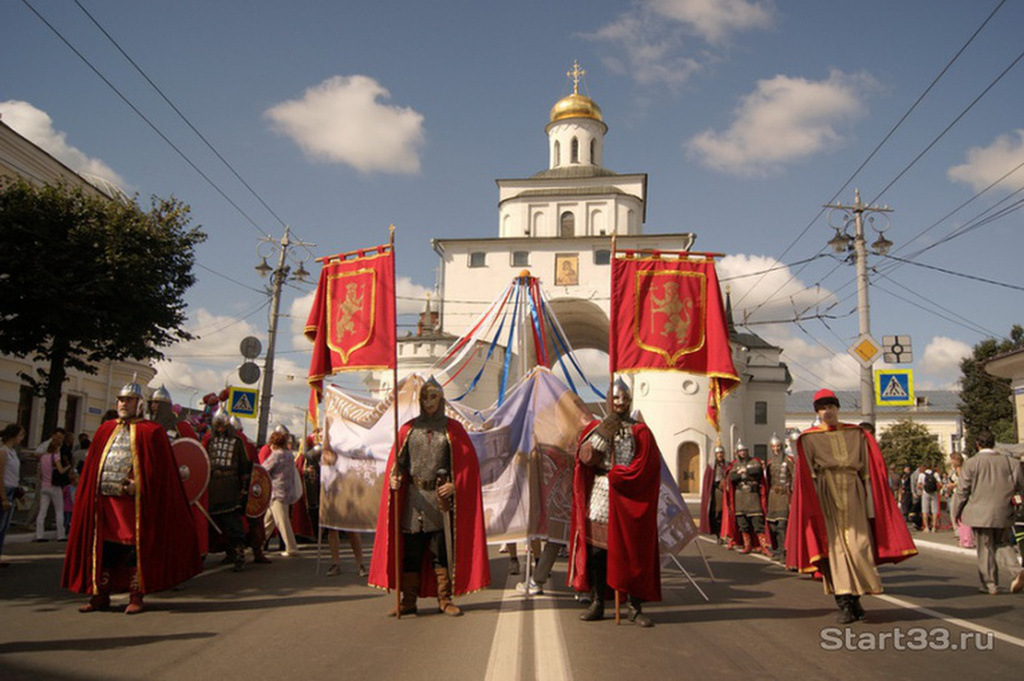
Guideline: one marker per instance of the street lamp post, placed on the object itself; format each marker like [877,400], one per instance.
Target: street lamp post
[279,275]
[843,242]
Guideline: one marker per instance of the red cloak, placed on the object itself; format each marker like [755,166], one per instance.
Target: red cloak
[634,565]
[806,536]
[471,570]
[166,549]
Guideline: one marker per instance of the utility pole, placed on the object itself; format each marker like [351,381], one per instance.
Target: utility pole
[278,278]
[843,242]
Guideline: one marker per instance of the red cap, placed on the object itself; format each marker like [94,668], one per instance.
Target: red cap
[823,397]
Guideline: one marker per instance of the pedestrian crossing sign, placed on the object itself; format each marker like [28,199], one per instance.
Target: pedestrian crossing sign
[894,387]
[242,402]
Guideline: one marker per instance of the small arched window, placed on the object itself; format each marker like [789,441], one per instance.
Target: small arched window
[575,156]
[558,153]
[593,148]
[567,225]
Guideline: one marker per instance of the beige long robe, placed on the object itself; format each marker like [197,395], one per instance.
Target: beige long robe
[838,461]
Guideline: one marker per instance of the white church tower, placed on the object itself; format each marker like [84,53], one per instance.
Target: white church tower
[557,224]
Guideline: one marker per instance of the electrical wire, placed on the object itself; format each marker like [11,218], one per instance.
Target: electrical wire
[148,122]
[181,115]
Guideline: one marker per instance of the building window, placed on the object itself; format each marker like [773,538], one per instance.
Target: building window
[520,258]
[602,257]
[71,414]
[760,413]
[567,225]
[575,157]
[25,400]
[593,156]
[478,259]
[558,153]
[761,452]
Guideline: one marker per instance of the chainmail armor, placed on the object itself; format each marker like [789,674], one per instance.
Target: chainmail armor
[625,451]
[117,465]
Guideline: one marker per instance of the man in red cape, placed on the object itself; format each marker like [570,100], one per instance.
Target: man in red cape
[131,529]
[613,533]
[427,444]
[843,518]
[712,495]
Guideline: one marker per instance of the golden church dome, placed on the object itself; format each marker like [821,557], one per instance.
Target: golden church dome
[575,106]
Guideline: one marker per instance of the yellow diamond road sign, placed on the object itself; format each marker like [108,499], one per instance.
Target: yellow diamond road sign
[865,350]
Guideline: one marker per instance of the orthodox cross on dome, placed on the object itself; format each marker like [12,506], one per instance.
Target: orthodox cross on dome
[576,74]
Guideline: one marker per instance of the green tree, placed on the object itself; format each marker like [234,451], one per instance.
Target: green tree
[84,278]
[985,400]
[906,443]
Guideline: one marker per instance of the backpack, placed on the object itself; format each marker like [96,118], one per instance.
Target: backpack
[931,485]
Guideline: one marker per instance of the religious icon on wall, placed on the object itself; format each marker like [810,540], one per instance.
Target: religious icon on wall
[567,269]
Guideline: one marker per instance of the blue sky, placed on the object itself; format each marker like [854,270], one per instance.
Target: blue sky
[748,117]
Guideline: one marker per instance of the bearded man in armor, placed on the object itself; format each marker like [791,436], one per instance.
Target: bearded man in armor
[780,489]
[131,529]
[712,493]
[614,528]
[434,490]
[747,499]
[230,469]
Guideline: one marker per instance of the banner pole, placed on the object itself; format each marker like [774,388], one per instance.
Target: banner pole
[394,385]
[611,408]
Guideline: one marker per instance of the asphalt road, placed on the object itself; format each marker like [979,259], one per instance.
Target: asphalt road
[285,621]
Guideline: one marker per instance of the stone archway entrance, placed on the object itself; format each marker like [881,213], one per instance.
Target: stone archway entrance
[688,467]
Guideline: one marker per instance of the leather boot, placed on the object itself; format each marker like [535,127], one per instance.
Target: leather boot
[636,615]
[238,557]
[410,592]
[257,538]
[100,601]
[748,543]
[856,609]
[766,548]
[135,604]
[845,614]
[444,593]
[596,610]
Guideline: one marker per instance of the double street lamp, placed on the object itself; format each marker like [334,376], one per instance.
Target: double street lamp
[842,243]
[278,276]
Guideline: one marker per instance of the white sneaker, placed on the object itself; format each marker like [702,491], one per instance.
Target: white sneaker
[534,588]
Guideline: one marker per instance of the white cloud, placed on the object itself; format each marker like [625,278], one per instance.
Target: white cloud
[37,126]
[714,20]
[210,363]
[649,52]
[764,289]
[648,41]
[784,120]
[986,165]
[939,364]
[812,364]
[342,120]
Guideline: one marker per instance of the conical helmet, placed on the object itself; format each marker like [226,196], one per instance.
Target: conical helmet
[161,394]
[132,389]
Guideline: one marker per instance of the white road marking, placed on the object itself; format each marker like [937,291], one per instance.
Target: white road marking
[1006,638]
[504,660]
[550,659]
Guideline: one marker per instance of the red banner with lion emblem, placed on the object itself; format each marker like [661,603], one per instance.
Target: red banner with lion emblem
[352,321]
[667,314]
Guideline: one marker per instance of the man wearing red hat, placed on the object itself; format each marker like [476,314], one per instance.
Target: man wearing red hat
[843,519]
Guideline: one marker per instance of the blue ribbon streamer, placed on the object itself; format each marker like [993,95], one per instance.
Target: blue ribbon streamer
[508,347]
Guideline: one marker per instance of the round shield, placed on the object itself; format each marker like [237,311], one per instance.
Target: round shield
[193,465]
[259,493]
